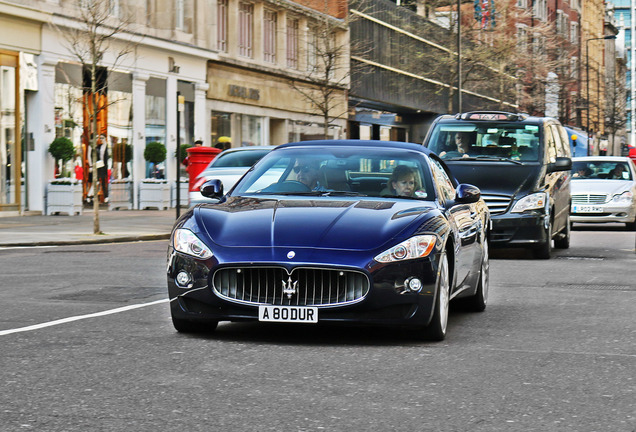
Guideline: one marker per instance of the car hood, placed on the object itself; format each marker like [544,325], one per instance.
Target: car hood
[337,224]
[593,186]
[499,178]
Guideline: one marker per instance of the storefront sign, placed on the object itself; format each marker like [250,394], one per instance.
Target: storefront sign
[243,92]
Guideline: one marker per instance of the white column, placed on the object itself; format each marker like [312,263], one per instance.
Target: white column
[41,115]
[171,127]
[201,116]
[139,132]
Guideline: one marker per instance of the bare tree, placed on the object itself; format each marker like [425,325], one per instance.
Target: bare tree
[89,32]
[615,111]
[328,72]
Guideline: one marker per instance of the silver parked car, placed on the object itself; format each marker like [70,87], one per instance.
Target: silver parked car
[603,189]
[229,166]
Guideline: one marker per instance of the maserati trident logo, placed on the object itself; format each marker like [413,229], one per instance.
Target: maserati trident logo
[290,287]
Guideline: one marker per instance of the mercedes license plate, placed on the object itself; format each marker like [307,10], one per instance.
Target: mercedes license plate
[288,314]
[586,209]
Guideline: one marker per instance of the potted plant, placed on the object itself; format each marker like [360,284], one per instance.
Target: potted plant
[64,194]
[154,192]
[62,149]
[121,187]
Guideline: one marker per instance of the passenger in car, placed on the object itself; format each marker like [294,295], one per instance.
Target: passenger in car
[402,182]
[617,172]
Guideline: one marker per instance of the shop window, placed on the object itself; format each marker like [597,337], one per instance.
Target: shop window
[251,130]
[221,126]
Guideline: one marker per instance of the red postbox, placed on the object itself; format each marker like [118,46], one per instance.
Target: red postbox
[197,160]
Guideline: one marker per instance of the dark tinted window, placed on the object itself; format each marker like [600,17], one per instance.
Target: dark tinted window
[238,159]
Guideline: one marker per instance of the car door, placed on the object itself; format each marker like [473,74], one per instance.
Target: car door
[560,180]
[466,222]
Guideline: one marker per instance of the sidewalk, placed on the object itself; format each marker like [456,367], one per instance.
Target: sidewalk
[117,226]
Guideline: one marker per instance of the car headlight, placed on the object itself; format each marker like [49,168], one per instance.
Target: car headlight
[186,242]
[415,247]
[531,202]
[624,198]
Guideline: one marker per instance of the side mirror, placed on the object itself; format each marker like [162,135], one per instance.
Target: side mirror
[561,164]
[467,194]
[212,189]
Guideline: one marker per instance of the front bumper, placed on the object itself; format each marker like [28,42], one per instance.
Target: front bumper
[387,302]
[518,229]
[606,213]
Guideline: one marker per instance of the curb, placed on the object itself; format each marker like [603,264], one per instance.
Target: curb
[121,239]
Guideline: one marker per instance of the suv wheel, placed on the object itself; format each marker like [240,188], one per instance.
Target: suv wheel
[544,250]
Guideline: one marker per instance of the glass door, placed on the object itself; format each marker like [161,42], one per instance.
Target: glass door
[10,155]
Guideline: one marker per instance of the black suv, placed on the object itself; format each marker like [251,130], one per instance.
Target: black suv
[522,166]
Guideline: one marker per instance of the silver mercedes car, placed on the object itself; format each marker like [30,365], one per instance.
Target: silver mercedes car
[603,189]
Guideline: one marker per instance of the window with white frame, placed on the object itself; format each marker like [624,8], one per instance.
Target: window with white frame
[522,4]
[114,8]
[541,9]
[246,29]
[574,33]
[522,37]
[574,67]
[221,28]
[312,40]
[270,20]
[180,14]
[292,43]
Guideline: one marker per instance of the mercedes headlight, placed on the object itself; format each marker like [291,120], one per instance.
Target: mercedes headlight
[533,201]
[415,247]
[624,198]
[186,242]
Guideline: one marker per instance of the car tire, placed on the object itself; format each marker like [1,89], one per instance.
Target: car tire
[436,329]
[544,250]
[477,303]
[563,239]
[185,326]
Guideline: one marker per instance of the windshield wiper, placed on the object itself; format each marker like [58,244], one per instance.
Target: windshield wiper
[486,157]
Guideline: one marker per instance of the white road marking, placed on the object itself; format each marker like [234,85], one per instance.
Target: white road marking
[80,317]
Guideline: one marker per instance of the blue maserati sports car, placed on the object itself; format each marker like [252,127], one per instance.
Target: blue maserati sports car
[343,231]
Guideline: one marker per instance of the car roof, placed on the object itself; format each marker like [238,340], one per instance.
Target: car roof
[359,143]
[511,117]
[247,148]
[601,158]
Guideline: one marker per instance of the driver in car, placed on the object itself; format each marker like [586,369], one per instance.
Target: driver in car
[307,172]
[462,141]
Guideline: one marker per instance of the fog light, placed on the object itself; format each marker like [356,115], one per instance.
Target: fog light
[183,278]
[413,284]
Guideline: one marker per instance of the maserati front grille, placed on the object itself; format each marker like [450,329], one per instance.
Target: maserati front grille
[302,287]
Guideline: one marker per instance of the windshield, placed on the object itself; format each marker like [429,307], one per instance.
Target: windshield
[234,159]
[582,170]
[349,171]
[485,140]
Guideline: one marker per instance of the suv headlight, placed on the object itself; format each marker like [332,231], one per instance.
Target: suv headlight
[186,242]
[415,247]
[531,202]
[624,198]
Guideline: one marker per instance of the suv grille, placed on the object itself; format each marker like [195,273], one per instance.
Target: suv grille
[589,199]
[497,204]
[303,287]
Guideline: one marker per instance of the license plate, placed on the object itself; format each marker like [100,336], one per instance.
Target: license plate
[586,209]
[288,314]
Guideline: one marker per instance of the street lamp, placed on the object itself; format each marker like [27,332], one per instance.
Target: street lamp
[587,80]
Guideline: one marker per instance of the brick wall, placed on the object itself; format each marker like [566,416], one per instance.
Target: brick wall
[335,8]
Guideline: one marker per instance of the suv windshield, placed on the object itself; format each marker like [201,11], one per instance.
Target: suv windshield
[486,140]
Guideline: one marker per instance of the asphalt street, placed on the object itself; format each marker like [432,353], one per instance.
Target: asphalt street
[88,345]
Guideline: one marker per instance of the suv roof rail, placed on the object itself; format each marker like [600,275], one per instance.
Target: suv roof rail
[491,115]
